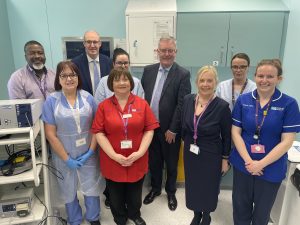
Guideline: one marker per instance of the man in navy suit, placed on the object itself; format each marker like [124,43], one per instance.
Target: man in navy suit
[91,64]
[165,85]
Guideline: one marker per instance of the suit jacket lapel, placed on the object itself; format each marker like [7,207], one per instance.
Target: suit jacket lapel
[152,81]
[87,71]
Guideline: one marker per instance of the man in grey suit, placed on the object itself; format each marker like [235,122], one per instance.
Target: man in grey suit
[165,85]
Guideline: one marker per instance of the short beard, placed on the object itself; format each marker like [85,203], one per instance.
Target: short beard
[38,67]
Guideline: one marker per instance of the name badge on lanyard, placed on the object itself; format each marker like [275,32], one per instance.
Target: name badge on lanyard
[257,148]
[125,144]
[194,149]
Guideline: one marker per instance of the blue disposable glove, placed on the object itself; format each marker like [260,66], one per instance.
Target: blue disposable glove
[83,158]
[73,164]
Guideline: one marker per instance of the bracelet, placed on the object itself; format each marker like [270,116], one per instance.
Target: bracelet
[225,157]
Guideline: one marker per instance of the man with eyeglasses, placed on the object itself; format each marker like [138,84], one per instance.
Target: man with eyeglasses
[165,85]
[92,65]
[231,89]
[33,81]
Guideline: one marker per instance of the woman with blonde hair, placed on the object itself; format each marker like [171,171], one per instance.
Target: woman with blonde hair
[206,125]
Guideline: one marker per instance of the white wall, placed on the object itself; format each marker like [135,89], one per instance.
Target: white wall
[291,59]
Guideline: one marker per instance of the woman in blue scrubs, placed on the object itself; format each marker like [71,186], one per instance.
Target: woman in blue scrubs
[68,116]
[265,123]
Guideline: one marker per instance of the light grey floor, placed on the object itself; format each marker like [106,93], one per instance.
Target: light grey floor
[158,213]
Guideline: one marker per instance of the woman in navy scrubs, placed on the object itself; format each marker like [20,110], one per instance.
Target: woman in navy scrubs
[265,123]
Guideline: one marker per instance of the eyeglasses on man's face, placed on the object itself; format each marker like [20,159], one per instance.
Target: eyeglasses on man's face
[66,76]
[120,63]
[90,42]
[166,50]
[242,67]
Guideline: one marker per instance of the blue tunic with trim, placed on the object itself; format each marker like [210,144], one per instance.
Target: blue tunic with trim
[283,117]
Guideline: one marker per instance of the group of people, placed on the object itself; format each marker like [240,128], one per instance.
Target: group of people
[100,118]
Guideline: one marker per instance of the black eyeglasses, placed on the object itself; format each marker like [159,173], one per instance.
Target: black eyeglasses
[90,42]
[164,51]
[125,63]
[65,76]
[242,67]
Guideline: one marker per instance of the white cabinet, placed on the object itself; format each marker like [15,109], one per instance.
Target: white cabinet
[28,135]
[213,38]
[146,22]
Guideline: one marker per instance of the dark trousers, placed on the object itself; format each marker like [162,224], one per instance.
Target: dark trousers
[161,152]
[252,199]
[125,200]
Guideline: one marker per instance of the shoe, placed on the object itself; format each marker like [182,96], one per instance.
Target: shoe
[172,202]
[150,197]
[197,218]
[107,203]
[139,221]
[97,222]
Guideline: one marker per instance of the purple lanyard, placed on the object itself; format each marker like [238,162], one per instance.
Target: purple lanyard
[265,113]
[196,121]
[125,121]
[39,84]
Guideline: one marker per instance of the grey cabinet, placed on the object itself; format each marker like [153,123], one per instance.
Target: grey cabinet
[213,38]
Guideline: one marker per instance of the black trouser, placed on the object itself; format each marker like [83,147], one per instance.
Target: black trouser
[125,200]
[159,152]
[252,199]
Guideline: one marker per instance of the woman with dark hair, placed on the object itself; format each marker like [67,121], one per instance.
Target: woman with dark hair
[68,115]
[231,89]
[124,125]
[265,123]
[120,60]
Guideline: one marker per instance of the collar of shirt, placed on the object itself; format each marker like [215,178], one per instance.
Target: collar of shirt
[91,60]
[33,72]
[276,96]
[130,100]
[161,68]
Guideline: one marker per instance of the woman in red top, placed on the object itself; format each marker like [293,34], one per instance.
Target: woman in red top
[124,125]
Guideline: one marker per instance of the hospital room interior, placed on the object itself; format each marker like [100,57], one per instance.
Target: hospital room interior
[206,34]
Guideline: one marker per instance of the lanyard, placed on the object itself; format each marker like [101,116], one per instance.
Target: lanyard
[196,121]
[242,90]
[125,121]
[265,113]
[39,84]
[76,113]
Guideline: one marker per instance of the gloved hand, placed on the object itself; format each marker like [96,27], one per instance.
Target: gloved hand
[83,158]
[73,164]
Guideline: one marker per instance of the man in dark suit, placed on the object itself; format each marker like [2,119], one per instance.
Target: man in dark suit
[165,85]
[91,64]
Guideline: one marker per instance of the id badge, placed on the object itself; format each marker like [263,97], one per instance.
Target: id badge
[257,148]
[126,144]
[194,149]
[80,142]
[128,115]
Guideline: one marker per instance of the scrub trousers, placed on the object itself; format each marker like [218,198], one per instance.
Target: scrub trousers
[125,200]
[252,199]
[74,211]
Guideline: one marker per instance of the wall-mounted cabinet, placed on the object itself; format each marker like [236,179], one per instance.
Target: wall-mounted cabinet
[213,38]
[146,22]
[143,33]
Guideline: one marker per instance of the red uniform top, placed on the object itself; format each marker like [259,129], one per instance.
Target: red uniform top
[108,120]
